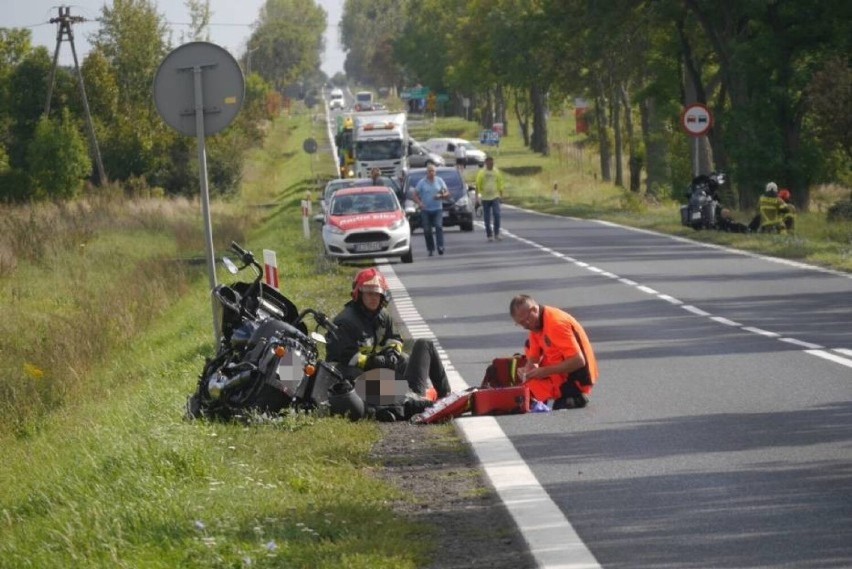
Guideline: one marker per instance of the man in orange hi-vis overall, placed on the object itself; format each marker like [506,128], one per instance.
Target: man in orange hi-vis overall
[561,363]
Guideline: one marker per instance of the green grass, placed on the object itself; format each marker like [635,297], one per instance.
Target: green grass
[110,475]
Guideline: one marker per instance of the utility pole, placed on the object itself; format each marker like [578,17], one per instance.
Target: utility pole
[65,19]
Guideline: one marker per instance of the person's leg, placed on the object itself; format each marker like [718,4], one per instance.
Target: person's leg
[424,365]
[572,397]
[439,230]
[496,207]
[486,212]
[426,222]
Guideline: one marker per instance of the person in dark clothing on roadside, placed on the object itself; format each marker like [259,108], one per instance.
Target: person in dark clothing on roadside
[367,339]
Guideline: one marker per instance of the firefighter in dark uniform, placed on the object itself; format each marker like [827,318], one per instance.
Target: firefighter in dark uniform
[367,339]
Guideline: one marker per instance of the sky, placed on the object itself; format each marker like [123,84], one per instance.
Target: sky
[230,24]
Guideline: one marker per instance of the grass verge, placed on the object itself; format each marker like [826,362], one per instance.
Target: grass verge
[112,476]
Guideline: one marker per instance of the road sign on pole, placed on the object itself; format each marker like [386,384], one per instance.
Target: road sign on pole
[696,120]
[198,90]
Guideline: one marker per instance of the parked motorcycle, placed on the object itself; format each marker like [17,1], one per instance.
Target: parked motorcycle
[266,360]
[703,211]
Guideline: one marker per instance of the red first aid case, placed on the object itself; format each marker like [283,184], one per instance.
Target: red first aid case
[453,405]
[503,372]
[501,401]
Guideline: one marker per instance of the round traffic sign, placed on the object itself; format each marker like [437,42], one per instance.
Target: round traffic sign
[222,87]
[696,119]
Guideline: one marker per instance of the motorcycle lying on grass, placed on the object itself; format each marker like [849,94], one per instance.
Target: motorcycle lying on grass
[266,360]
[703,211]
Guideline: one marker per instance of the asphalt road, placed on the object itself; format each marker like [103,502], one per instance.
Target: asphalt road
[720,432]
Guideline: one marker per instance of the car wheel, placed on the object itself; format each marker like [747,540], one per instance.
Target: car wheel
[408,257]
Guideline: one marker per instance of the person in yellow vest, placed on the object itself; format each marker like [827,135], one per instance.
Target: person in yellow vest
[489,189]
[771,212]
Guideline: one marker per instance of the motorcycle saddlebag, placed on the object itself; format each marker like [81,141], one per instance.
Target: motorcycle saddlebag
[501,401]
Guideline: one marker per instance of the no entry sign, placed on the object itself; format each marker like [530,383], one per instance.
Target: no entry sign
[696,120]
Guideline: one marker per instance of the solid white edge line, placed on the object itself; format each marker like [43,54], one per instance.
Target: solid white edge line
[843,351]
[551,538]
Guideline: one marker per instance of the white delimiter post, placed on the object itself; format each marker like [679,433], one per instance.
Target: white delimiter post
[306,213]
[270,268]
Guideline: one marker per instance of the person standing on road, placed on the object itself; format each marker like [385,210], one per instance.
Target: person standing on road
[429,195]
[561,363]
[489,187]
[460,153]
[367,339]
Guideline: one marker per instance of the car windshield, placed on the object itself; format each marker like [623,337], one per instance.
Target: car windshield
[454,182]
[364,203]
[336,185]
[378,149]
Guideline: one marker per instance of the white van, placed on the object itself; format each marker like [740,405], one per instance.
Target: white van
[446,147]
[336,100]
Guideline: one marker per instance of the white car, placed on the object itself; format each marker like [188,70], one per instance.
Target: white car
[446,147]
[366,222]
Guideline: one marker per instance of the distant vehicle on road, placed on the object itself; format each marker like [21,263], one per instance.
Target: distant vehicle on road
[446,147]
[457,211]
[420,157]
[364,101]
[336,100]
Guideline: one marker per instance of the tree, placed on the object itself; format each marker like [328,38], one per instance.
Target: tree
[57,157]
[199,19]
[288,42]
[132,39]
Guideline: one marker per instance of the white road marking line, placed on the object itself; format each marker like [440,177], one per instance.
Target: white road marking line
[761,332]
[551,538]
[830,357]
[796,342]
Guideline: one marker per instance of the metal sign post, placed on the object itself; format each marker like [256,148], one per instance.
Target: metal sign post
[188,76]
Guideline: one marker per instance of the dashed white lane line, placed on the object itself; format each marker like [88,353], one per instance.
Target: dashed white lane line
[830,357]
[551,538]
[812,349]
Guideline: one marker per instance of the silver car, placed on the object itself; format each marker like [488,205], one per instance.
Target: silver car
[420,157]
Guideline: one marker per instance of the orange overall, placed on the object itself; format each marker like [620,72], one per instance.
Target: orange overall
[560,338]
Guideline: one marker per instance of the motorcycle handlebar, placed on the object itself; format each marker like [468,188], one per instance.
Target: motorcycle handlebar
[247,257]
[321,319]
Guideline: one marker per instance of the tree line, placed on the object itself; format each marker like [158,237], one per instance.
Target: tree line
[774,73]
[49,157]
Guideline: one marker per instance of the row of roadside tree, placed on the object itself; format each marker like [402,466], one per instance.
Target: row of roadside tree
[776,75]
[49,157]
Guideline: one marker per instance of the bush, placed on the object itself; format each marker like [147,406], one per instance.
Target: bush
[841,211]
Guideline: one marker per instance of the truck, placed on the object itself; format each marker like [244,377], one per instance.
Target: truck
[380,140]
[345,146]
[364,101]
